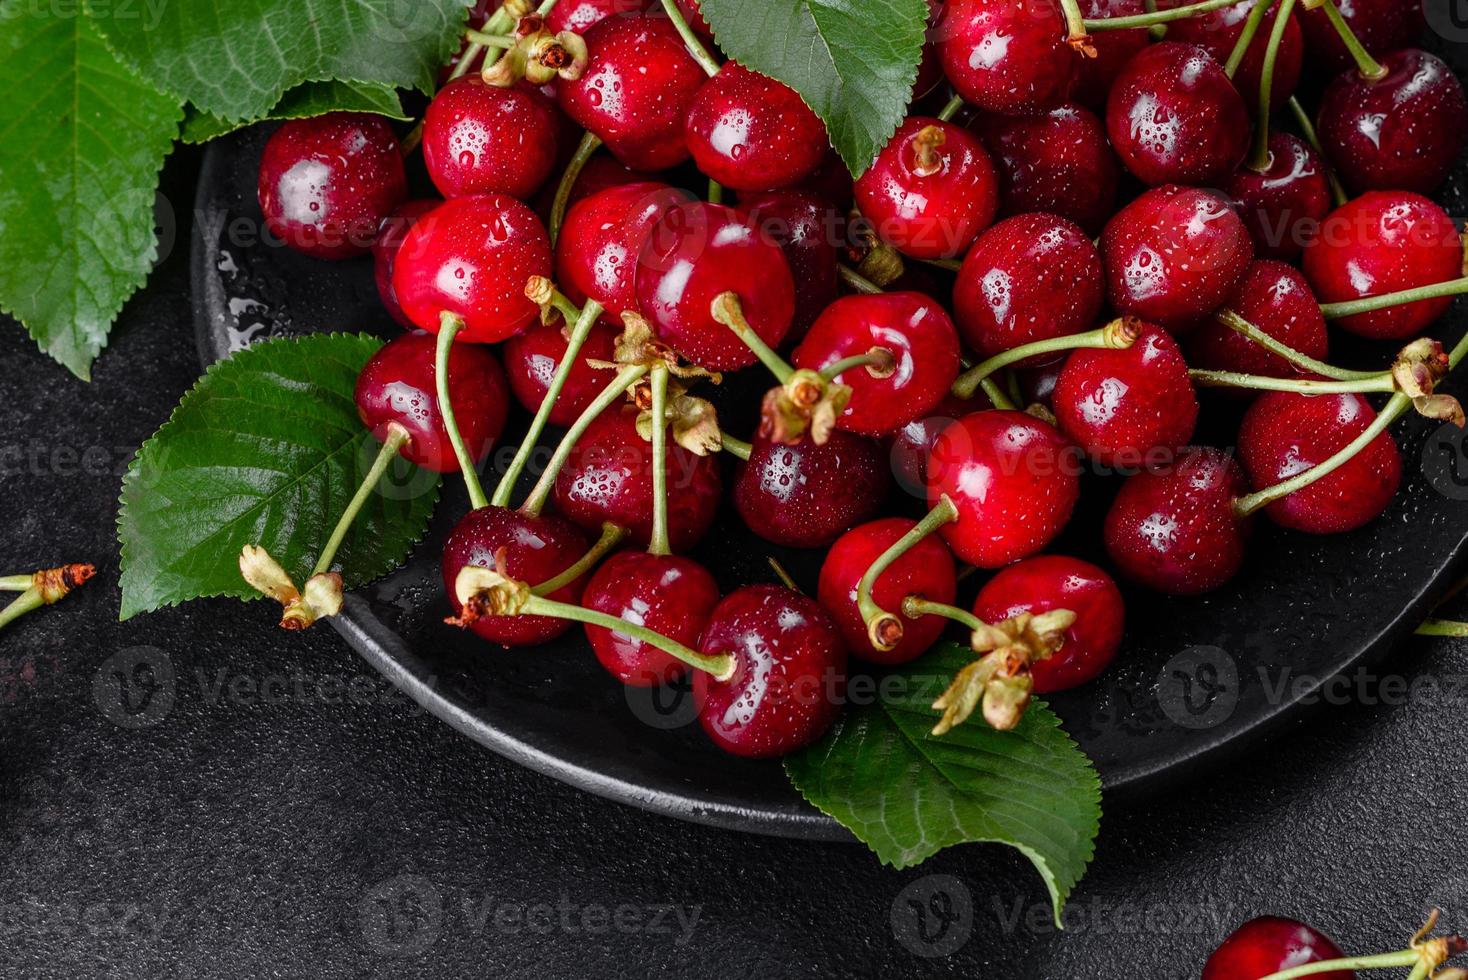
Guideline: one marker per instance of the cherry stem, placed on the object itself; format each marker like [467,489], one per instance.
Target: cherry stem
[611,536]
[483,40]
[948,265]
[397,438]
[658,541]
[690,40]
[1260,160]
[727,310]
[1075,26]
[878,361]
[580,330]
[1246,37]
[716,192]
[27,601]
[1157,32]
[1119,334]
[950,109]
[781,574]
[449,326]
[590,143]
[16,583]
[916,607]
[857,281]
[996,396]
[1307,129]
[1158,17]
[610,395]
[1453,287]
[1304,362]
[1382,382]
[1442,627]
[42,588]
[737,448]
[884,630]
[1381,961]
[1370,68]
[721,665]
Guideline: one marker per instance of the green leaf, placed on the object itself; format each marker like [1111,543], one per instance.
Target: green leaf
[266,449]
[81,142]
[302,102]
[907,794]
[853,63]
[237,58]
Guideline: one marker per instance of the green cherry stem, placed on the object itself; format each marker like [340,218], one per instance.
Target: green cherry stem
[857,281]
[1246,37]
[1382,382]
[947,265]
[950,109]
[1158,17]
[42,588]
[878,360]
[449,326]
[716,192]
[1119,334]
[1260,159]
[884,630]
[612,393]
[997,396]
[611,536]
[1453,287]
[916,607]
[737,448]
[1075,27]
[397,438]
[727,310]
[690,40]
[658,540]
[1157,32]
[27,601]
[1369,67]
[1239,325]
[1307,129]
[720,665]
[584,151]
[1381,961]
[16,583]
[1442,627]
[483,40]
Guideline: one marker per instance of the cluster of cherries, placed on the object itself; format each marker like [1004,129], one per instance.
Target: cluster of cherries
[1078,336]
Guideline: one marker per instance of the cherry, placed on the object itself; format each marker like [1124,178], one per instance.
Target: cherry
[1174,255]
[600,173]
[1007,56]
[478,138]
[1175,117]
[667,594]
[930,67]
[695,18]
[1113,50]
[1268,945]
[636,90]
[608,478]
[1049,582]
[1380,26]
[1275,298]
[534,548]
[531,359]
[916,341]
[472,257]
[1012,480]
[695,254]
[752,133]
[1031,277]
[806,495]
[1060,163]
[327,182]
[931,190]
[909,446]
[1122,406]
[1283,205]
[1403,131]
[390,235]
[1173,528]
[1385,242]
[1219,31]
[397,385]
[579,16]
[789,675]
[831,182]
[601,237]
[1285,433]
[805,227]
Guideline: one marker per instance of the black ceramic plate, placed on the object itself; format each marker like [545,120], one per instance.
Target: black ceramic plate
[1197,679]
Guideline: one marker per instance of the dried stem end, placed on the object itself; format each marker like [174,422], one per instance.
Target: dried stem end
[55,583]
[321,597]
[1417,370]
[807,403]
[926,146]
[485,592]
[999,682]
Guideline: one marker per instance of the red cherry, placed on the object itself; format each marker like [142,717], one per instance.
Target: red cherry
[579,16]
[479,138]
[909,447]
[912,329]
[1404,131]
[1045,582]
[1285,433]
[667,594]
[327,182]
[931,190]
[1268,945]
[535,548]
[1030,277]
[789,675]
[1275,298]
[831,182]
[1014,480]
[1385,242]
[397,385]
[1122,406]
[636,90]
[608,477]
[805,496]
[694,254]
[1283,205]
[473,257]
[1113,50]
[695,18]
[930,68]
[1219,31]
[531,359]
[805,226]
[1174,529]
[1007,56]
[1174,255]
[601,237]
[390,235]
[1175,117]
[1380,26]
[752,133]
[1059,163]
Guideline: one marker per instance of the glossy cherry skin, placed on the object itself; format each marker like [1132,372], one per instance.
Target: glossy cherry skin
[327,182]
[1123,406]
[805,226]
[1173,528]
[608,477]
[600,240]
[752,133]
[806,496]
[695,253]
[1008,56]
[831,182]
[1014,480]
[1113,50]
[473,257]
[636,90]
[1030,277]
[1268,945]
[390,235]
[579,16]
[1174,255]
[1402,132]
[1047,582]
[397,384]
[926,571]
[1174,117]
[667,594]
[1285,433]
[1058,163]
[929,204]
[1219,30]
[1275,298]
[1385,242]
[535,549]
[789,677]
[479,138]
[918,334]
[909,447]
[1380,25]
[1283,205]
[531,359]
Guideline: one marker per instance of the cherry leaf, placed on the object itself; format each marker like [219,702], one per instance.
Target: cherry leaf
[302,102]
